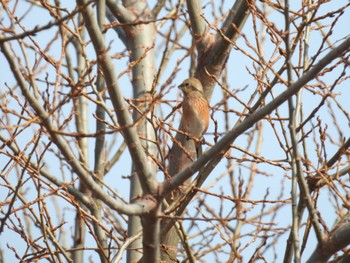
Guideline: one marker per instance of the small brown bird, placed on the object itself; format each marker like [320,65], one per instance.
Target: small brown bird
[195,111]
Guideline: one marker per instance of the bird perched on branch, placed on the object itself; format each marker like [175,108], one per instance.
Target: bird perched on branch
[195,111]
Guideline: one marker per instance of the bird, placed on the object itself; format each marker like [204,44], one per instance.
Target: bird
[195,111]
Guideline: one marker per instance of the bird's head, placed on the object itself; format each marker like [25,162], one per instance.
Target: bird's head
[191,85]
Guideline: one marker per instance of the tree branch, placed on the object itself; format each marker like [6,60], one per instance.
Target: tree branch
[213,58]
[84,175]
[119,11]
[338,239]
[224,144]
[197,23]
[129,131]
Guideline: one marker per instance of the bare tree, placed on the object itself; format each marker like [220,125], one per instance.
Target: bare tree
[95,167]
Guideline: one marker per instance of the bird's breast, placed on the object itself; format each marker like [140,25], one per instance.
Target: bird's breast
[195,116]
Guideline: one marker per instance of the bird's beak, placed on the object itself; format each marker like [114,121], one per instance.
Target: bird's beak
[181,86]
